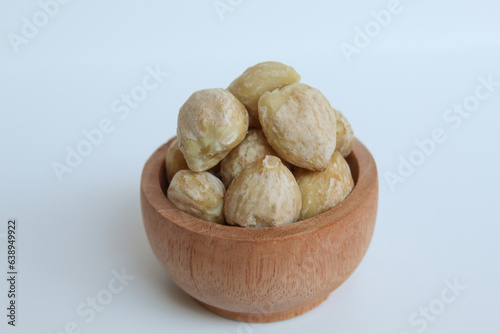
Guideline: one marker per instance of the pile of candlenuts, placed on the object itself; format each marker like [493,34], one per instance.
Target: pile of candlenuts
[266,151]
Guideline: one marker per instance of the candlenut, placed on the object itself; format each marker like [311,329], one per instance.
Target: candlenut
[323,190]
[300,125]
[345,135]
[252,148]
[174,160]
[199,194]
[259,79]
[263,194]
[210,123]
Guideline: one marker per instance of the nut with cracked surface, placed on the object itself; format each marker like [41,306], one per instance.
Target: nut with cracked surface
[323,190]
[263,194]
[300,125]
[210,123]
[259,79]
[199,194]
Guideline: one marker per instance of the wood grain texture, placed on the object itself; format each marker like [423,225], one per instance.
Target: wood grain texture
[261,274]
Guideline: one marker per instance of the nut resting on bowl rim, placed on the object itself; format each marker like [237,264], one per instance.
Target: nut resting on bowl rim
[261,274]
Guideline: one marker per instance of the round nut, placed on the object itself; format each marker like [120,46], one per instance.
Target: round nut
[300,125]
[174,160]
[263,194]
[252,148]
[211,122]
[323,190]
[259,79]
[199,194]
[345,135]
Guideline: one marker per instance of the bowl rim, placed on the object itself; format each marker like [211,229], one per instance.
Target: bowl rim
[360,161]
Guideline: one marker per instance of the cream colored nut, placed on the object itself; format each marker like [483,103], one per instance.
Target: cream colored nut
[300,125]
[345,135]
[252,148]
[199,194]
[263,194]
[211,122]
[259,79]
[174,160]
[323,190]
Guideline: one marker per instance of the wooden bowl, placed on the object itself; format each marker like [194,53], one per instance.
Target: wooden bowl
[261,274]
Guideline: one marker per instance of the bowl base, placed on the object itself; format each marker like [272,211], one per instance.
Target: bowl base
[261,317]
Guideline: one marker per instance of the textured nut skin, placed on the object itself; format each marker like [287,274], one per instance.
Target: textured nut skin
[174,160]
[263,194]
[210,123]
[300,125]
[323,190]
[252,148]
[199,194]
[259,79]
[345,135]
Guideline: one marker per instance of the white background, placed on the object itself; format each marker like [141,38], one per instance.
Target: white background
[441,224]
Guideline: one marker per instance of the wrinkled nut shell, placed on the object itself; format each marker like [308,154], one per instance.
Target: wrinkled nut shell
[199,194]
[174,160]
[300,125]
[345,135]
[323,190]
[211,122]
[259,79]
[263,194]
[251,149]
